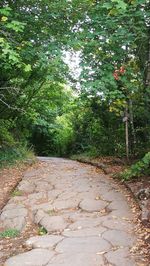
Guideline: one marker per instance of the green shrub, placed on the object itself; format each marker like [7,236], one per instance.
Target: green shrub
[6,137]
[138,169]
[90,154]
[19,152]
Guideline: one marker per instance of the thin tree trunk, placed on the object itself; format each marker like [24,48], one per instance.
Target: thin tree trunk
[148,67]
[132,123]
[127,132]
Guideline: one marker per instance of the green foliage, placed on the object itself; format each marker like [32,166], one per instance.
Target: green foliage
[64,135]
[42,231]
[6,138]
[10,46]
[9,233]
[94,129]
[37,106]
[90,154]
[138,169]
[115,35]
[18,152]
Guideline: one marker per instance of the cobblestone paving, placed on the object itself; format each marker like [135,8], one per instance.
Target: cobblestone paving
[87,217]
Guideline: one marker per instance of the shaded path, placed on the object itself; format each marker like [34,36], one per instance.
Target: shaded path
[87,217]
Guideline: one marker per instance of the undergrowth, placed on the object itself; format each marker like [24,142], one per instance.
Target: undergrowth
[141,168]
[10,233]
[11,155]
[90,155]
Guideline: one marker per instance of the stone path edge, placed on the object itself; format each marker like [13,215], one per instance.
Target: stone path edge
[133,196]
[121,182]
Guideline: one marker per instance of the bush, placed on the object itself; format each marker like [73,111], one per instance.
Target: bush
[6,137]
[138,169]
[18,152]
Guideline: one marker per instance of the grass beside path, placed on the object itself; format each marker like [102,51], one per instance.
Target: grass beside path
[14,155]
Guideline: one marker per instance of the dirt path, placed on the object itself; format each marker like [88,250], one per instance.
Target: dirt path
[85,213]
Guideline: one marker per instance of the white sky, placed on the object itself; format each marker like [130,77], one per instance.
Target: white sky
[72,59]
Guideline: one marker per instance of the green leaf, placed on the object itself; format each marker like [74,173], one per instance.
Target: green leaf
[120,4]
[13,57]
[3,18]
[107,5]
[27,68]
[5,11]
[16,26]
[2,40]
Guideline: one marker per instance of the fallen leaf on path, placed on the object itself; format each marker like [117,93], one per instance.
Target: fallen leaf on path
[101,253]
[117,247]
[125,218]
[146,237]
[134,248]
[97,198]
[103,211]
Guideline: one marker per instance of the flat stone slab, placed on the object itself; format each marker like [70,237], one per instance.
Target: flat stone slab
[26,187]
[118,238]
[53,223]
[13,213]
[84,244]
[32,173]
[120,257]
[47,206]
[43,186]
[84,232]
[120,208]
[79,259]
[14,218]
[39,215]
[84,222]
[47,241]
[118,224]
[35,257]
[18,223]
[11,206]
[90,205]
[66,204]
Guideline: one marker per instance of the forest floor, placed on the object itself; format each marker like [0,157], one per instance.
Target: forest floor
[9,193]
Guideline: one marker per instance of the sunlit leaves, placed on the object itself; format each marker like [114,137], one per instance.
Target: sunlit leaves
[16,26]
[27,68]
[111,36]
[3,19]
[5,11]
[10,55]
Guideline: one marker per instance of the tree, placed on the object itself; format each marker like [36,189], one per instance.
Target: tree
[114,39]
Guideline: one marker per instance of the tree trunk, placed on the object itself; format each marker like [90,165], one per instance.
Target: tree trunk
[127,132]
[132,124]
[148,67]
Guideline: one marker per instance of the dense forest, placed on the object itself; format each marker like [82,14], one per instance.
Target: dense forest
[99,105]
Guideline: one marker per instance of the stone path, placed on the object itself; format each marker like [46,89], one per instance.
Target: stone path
[87,217]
